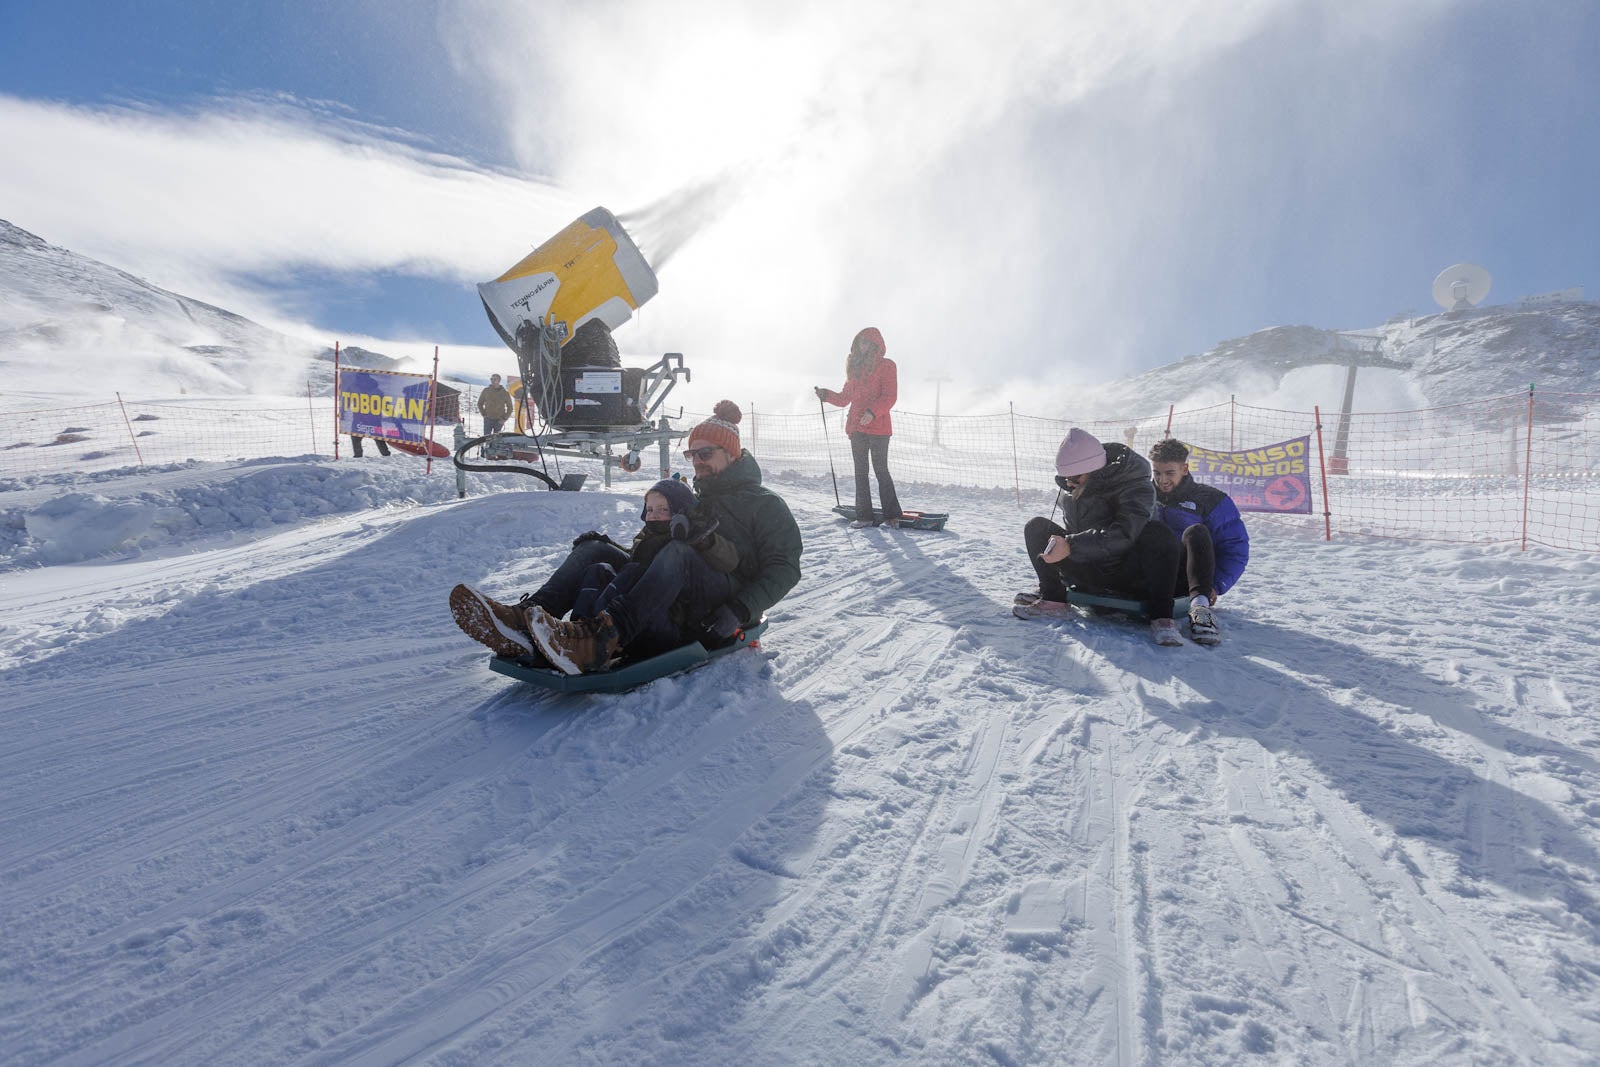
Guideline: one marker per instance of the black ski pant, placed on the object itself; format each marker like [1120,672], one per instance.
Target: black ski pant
[355,445]
[678,575]
[1197,563]
[603,583]
[1148,572]
[876,447]
[560,591]
[677,581]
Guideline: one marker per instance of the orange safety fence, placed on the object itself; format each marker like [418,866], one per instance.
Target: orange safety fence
[1519,469]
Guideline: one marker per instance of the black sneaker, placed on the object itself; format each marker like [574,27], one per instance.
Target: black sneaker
[1203,629]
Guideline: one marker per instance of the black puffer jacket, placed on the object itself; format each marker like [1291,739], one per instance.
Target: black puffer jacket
[1107,515]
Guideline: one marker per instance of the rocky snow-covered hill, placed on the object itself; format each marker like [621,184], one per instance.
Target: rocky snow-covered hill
[61,311]
[1430,361]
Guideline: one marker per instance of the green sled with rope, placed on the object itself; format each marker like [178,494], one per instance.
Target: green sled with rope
[629,675]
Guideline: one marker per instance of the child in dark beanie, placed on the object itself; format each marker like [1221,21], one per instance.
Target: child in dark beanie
[669,515]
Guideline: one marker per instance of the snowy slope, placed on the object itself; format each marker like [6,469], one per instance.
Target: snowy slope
[64,315]
[263,804]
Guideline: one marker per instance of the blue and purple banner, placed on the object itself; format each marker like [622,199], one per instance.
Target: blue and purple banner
[1275,477]
[387,404]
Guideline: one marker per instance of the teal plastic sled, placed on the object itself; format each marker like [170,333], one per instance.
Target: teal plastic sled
[909,520]
[629,676]
[1180,605]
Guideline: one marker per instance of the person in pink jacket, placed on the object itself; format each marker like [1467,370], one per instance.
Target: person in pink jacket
[869,389]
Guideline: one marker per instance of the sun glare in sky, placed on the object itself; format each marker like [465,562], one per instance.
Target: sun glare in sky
[1027,191]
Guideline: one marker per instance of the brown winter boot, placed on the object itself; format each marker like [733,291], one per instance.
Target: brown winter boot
[580,646]
[490,623]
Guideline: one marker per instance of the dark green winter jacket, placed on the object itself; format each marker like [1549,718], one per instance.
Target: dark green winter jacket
[758,523]
[1106,516]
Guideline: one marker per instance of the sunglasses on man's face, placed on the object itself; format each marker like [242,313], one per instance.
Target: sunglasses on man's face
[1071,481]
[702,454]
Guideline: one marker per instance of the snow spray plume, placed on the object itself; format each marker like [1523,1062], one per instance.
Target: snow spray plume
[669,223]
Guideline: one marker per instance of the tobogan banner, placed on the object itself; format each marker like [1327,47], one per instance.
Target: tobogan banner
[388,404]
[1275,477]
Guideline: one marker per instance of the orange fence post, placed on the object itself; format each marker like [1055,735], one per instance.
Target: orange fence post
[129,425]
[1016,471]
[433,400]
[1327,512]
[338,400]
[312,408]
[1527,471]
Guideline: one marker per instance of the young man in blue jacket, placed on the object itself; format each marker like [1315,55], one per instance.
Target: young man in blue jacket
[1215,546]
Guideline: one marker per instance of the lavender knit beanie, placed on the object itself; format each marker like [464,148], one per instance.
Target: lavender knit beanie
[1080,453]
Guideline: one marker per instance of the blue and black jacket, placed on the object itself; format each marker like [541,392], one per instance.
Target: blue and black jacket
[1190,503]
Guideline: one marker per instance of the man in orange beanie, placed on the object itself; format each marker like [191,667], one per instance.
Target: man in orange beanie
[678,581]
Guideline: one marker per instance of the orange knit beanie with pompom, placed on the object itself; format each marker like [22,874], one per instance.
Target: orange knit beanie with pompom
[722,428]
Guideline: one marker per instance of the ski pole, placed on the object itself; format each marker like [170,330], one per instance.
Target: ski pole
[823,409]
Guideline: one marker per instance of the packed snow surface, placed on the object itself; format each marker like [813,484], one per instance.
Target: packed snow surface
[264,804]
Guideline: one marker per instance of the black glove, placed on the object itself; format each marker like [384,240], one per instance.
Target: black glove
[594,535]
[702,534]
[697,534]
[822,394]
[723,624]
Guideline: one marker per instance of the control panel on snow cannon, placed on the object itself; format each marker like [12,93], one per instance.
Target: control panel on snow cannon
[556,309]
[601,395]
[596,389]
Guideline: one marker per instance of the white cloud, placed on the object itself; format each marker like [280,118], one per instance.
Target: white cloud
[189,200]
[967,177]
[981,182]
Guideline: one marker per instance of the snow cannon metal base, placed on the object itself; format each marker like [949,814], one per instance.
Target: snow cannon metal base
[621,449]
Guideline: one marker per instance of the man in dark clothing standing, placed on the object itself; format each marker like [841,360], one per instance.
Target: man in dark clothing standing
[1106,542]
[494,404]
[1213,543]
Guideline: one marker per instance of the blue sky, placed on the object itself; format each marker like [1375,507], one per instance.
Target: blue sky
[380,63]
[1019,194]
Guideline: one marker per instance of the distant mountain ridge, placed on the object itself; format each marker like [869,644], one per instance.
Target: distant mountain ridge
[59,306]
[1446,358]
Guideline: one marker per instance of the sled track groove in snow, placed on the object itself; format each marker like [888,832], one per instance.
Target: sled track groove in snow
[245,826]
